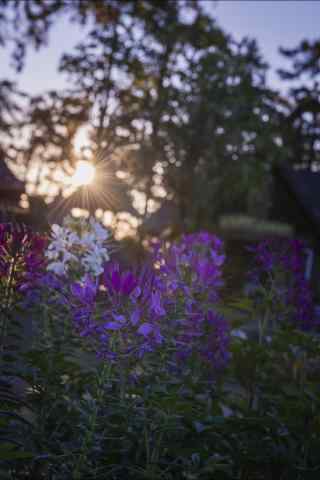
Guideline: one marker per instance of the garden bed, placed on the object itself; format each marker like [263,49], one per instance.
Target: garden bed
[153,373]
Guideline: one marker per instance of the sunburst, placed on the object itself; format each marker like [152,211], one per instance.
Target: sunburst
[84,174]
[91,188]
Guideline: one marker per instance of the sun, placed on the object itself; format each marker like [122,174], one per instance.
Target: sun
[84,174]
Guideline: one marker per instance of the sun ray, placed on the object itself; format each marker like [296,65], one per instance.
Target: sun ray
[106,192]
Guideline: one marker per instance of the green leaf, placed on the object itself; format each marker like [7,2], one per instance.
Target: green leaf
[9,452]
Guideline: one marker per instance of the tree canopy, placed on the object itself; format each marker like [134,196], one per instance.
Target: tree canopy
[303,118]
[173,105]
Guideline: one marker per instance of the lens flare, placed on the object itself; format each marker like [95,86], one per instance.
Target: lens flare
[84,174]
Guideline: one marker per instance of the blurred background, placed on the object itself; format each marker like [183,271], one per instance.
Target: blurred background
[161,117]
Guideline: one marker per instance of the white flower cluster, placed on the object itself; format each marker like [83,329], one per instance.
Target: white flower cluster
[78,246]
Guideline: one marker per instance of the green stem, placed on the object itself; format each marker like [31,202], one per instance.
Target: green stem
[87,442]
[7,302]
[263,325]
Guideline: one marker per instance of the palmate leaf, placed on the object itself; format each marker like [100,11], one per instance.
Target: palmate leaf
[13,443]
[9,452]
[15,430]
[14,416]
[239,310]
[243,304]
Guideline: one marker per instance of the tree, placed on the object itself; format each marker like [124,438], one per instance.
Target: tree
[171,102]
[302,124]
[229,140]
[10,111]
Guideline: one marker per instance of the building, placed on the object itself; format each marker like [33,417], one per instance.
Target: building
[11,190]
[296,201]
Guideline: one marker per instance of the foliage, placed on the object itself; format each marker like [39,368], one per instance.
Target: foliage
[278,283]
[167,97]
[21,263]
[171,408]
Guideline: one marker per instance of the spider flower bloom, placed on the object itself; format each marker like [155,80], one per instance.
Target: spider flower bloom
[117,282]
[204,335]
[121,317]
[192,267]
[21,256]
[216,349]
[77,247]
[191,273]
[281,262]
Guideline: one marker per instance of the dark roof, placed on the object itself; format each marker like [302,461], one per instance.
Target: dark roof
[304,185]
[8,182]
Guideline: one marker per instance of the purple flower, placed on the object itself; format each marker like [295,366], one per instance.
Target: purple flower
[156,306]
[164,304]
[86,291]
[216,351]
[191,274]
[21,257]
[135,317]
[192,267]
[125,310]
[149,330]
[279,264]
[119,283]
[129,283]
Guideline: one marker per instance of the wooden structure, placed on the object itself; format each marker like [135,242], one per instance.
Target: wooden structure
[11,190]
[296,200]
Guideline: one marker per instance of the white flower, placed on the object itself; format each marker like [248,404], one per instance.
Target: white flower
[69,257]
[96,235]
[51,254]
[62,238]
[85,250]
[99,231]
[87,240]
[59,268]
[239,334]
[73,238]
[105,256]
[60,234]
[56,230]
[93,265]
[93,260]
[226,411]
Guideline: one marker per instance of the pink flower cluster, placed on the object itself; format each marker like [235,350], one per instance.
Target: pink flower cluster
[21,256]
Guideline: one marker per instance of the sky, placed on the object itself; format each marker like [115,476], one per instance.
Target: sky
[271,22]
